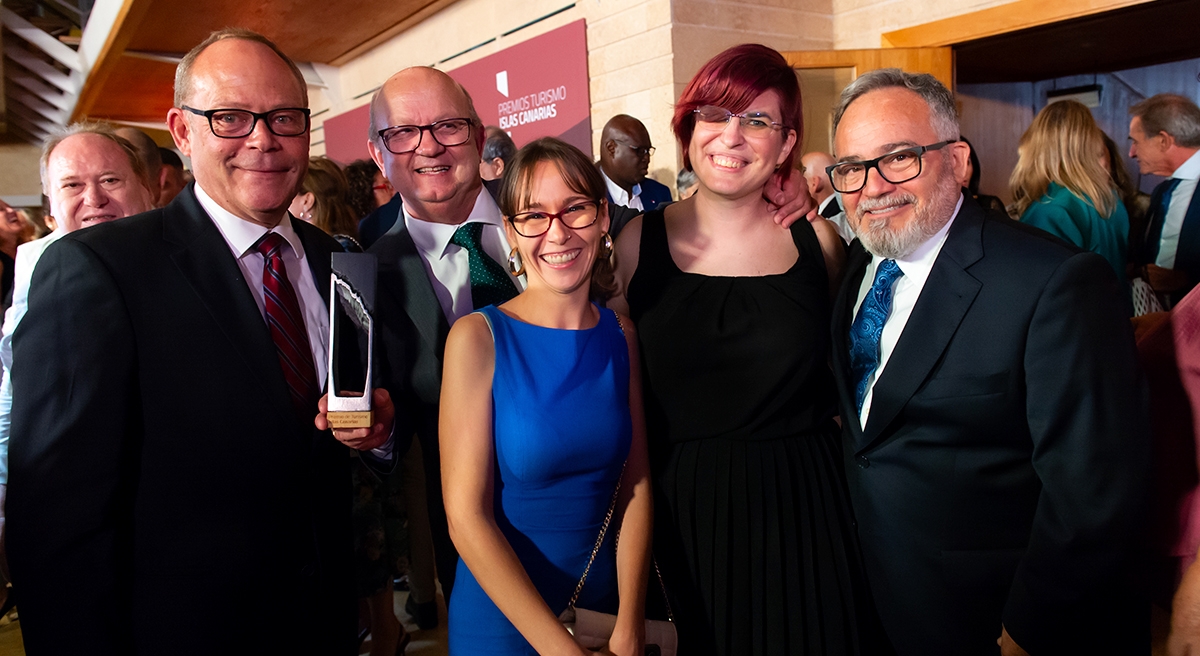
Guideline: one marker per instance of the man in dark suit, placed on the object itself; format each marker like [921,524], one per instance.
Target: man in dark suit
[994,436]
[625,150]
[1164,136]
[168,491]
[447,222]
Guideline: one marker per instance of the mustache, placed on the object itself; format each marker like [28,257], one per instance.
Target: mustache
[884,202]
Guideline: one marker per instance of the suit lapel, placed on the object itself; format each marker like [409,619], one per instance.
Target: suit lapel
[203,258]
[843,311]
[411,287]
[947,295]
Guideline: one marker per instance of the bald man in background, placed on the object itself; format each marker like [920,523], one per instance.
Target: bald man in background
[625,150]
[815,165]
[147,151]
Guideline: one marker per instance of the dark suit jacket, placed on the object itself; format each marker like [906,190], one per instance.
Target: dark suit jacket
[1004,465]
[654,195]
[1187,255]
[164,497]
[408,361]
[377,223]
[832,209]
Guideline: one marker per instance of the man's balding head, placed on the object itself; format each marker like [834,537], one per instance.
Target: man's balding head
[625,151]
[90,175]
[254,176]
[438,183]
[814,165]
[147,151]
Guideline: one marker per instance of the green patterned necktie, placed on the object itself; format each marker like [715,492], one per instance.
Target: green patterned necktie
[490,285]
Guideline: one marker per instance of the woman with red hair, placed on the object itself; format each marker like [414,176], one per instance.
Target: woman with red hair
[753,532]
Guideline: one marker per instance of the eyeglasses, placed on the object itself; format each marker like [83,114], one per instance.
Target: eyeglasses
[401,139]
[238,123]
[578,216]
[642,152]
[897,167]
[752,122]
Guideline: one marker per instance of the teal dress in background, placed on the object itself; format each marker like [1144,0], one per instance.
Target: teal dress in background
[1074,220]
[561,430]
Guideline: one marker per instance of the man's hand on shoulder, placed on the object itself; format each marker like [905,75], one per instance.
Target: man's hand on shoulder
[789,199]
[362,439]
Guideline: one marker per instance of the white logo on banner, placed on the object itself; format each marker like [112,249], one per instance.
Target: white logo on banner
[502,82]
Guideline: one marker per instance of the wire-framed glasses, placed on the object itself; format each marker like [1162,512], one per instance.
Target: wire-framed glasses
[752,122]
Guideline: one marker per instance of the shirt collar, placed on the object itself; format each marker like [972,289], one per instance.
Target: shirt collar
[1189,170]
[434,238]
[619,195]
[241,235]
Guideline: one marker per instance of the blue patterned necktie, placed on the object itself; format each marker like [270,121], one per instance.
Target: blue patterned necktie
[1159,218]
[490,285]
[868,327]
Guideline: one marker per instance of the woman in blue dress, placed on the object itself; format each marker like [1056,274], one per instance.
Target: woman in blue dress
[540,417]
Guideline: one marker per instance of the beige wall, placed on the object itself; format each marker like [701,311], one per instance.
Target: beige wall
[641,53]
[19,170]
[862,23]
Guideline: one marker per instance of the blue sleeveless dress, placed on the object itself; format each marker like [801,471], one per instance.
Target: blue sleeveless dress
[562,431]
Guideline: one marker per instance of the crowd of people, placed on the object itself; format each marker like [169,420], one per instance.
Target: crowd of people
[809,403]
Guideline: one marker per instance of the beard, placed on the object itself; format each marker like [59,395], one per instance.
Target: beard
[882,239]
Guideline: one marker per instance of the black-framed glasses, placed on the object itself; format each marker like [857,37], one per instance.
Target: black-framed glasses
[238,123]
[900,166]
[642,152]
[577,216]
[401,139]
[752,122]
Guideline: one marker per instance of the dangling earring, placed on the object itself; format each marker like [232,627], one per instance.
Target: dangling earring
[606,246]
[515,265]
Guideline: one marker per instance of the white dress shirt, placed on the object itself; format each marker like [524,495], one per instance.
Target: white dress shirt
[1188,175]
[905,292]
[241,236]
[27,258]
[622,197]
[448,265]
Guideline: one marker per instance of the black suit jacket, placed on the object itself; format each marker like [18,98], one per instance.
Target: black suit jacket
[164,497]
[1187,254]
[1003,468]
[408,361]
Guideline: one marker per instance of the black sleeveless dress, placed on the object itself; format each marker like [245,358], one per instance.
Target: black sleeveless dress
[753,529]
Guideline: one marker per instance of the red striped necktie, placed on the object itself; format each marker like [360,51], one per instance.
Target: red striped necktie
[287,326]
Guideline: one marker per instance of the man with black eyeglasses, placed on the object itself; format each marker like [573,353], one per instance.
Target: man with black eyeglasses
[169,492]
[625,151]
[994,429]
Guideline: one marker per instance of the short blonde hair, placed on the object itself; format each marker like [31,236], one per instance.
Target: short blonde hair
[1063,145]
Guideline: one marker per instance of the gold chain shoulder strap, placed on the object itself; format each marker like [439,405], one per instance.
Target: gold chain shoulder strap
[612,506]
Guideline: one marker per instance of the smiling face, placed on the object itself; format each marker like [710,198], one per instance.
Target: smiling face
[89,180]
[11,223]
[892,220]
[732,163]
[437,183]
[562,259]
[254,177]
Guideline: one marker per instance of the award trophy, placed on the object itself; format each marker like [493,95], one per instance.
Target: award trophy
[352,284]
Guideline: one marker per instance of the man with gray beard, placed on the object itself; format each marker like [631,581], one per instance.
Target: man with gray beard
[993,417]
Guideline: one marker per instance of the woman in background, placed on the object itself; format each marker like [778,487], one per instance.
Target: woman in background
[322,200]
[540,419]
[1061,186]
[971,182]
[753,528]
